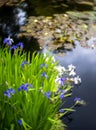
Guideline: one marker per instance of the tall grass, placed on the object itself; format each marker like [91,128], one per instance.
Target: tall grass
[30,95]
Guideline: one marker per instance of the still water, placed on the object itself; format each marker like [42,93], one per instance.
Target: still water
[85,61]
[12,19]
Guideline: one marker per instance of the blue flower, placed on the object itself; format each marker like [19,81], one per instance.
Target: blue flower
[12,91]
[44,75]
[77,99]
[23,63]
[20,122]
[8,41]
[21,45]
[24,87]
[48,94]
[9,92]
[61,110]
[61,95]
[61,81]
[13,47]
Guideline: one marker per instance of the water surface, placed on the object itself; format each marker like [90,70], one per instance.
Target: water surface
[85,61]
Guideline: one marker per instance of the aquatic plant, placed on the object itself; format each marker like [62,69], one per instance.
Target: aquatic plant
[31,93]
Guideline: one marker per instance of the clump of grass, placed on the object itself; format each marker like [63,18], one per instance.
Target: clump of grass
[31,92]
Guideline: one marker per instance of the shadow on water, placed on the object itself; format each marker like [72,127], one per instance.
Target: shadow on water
[11,20]
[85,61]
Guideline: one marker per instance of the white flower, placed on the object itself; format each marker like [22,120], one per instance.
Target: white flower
[71,67]
[60,69]
[77,80]
[72,73]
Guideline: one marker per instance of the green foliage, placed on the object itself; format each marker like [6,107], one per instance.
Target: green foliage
[32,106]
[30,96]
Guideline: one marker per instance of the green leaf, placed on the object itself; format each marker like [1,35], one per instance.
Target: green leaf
[12,127]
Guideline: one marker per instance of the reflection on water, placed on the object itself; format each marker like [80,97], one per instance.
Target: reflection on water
[85,61]
[12,18]
[20,16]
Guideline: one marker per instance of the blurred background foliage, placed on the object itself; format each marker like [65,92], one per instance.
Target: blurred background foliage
[53,5]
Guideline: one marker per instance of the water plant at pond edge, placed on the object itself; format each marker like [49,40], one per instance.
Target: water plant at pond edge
[31,93]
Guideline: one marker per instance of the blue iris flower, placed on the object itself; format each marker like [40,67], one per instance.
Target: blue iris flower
[48,94]
[24,87]
[8,41]
[61,95]
[20,122]
[44,75]
[21,45]
[23,63]
[13,47]
[61,81]
[9,92]
[61,110]
[77,99]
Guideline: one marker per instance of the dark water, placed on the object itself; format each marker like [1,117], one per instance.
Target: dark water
[11,19]
[85,61]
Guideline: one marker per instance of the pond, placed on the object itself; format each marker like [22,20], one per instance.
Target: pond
[11,19]
[84,60]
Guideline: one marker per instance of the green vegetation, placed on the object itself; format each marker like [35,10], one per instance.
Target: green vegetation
[31,93]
